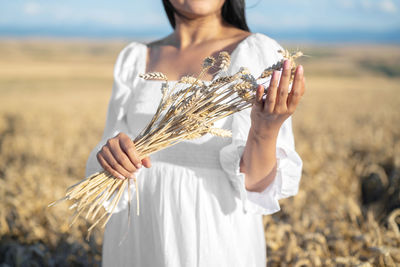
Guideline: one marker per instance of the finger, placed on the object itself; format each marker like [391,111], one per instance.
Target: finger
[108,168]
[297,88]
[259,95]
[146,162]
[129,148]
[282,93]
[108,156]
[271,93]
[304,84]
[120,156]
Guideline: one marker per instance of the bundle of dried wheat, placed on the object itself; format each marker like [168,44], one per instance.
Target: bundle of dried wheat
[181,114]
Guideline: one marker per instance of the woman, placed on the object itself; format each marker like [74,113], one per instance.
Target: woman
[201,200]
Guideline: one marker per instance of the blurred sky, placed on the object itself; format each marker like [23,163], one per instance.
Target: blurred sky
[298,18]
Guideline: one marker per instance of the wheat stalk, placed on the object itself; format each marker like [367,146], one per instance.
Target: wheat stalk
[181,115]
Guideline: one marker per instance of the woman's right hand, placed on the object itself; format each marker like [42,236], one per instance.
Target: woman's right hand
[120,158]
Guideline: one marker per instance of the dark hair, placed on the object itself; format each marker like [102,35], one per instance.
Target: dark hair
[232,12]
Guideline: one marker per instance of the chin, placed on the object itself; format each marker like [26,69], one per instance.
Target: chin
[197,8]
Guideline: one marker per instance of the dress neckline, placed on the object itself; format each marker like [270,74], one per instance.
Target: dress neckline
[143,66]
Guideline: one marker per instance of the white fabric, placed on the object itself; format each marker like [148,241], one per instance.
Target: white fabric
[195,209]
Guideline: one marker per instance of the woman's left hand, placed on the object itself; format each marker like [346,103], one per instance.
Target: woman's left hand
[268,115]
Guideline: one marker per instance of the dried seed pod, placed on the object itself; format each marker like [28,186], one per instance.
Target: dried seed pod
[166,104]
[192,117]
[268,71]
[243,86]
[191,80]
[154,76]
[297,55]
[221,80]
[208,62]
[245,95]
[249,78]
[244,70]
[204,114]
[176,110]
[191,100]
[164,88]
[220,132]
[225,60]
[194,136]
[285,53]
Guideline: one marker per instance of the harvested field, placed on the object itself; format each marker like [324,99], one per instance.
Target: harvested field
[54,96]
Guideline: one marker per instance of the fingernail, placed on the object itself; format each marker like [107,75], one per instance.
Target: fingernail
[300,69]
[121,177]
[132,176]
[139,165]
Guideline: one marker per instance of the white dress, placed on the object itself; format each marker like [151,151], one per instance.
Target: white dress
[195,209]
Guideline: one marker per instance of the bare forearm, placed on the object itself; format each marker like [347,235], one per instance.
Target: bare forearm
[258,161]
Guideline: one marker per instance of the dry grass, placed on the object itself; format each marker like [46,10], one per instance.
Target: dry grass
[187,110]
[53,105]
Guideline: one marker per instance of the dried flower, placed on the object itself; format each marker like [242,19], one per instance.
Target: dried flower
[222,80]
[154,76]
[225,60]
[183,114]
[191,80]
[220,132]
[208,62]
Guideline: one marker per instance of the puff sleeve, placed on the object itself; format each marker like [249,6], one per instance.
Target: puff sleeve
[256,54]
[125,70]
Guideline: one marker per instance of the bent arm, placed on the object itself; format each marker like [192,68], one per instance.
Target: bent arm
[267,116]
[259,160]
